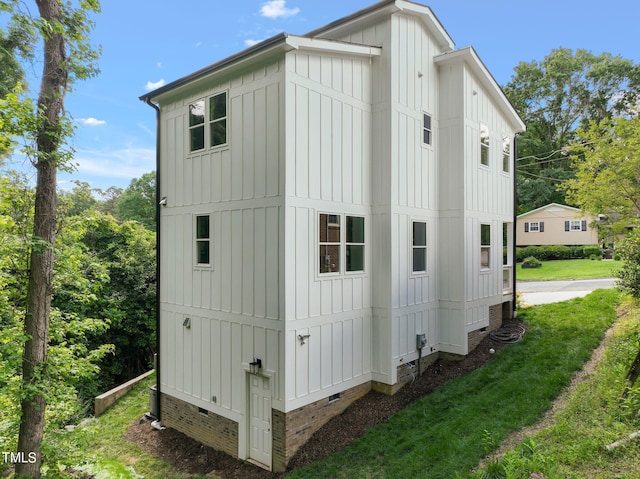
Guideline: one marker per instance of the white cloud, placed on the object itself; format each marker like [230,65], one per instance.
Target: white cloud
[91,122]
[158,64]
[153,85]
[277,9]
[126,163]
[249,43]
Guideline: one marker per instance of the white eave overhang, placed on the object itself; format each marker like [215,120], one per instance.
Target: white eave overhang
[331,46]
[469,56]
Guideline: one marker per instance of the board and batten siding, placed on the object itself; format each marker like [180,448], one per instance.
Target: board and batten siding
[328,131]
[235,304]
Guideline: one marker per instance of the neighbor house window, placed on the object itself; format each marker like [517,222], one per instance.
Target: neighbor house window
[329,243]
[218,119]
[355,243]
[335,243]
[196,125]
[427,132]
[203,240]
[575,225]
[506,153]
[534,227]
[485,245]
[419,246]
[484,145]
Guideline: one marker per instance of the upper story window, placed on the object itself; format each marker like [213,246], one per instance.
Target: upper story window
[216,118]
[419,247]
[485,246]
[427,132]
[506,153]
[484,145]
[334,243]
[196,125]
[203,240]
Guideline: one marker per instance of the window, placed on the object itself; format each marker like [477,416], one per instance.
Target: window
[427,132]
[505,244]
[419,246]
[355,243]
[196,125]
[203,240]
[575,225]
[484,145]
[506,153]
[329,243]
[218,119]
[332,244]
[534,227]
[485,245]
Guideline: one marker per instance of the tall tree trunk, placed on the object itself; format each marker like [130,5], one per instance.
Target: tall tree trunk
[50,105]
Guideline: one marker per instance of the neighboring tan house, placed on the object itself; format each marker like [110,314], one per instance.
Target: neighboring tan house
[555,224]
[335,208]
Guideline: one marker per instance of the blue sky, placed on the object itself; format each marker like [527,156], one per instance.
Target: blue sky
[149,43]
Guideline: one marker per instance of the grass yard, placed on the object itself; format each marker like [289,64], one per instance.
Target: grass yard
[447,433]
[568,269]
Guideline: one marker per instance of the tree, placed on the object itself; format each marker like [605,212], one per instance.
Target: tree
[138,202]
[556,96]
[67,56]
[607,171]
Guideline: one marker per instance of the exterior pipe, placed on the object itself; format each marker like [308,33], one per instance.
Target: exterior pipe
[147,100]
[515,222]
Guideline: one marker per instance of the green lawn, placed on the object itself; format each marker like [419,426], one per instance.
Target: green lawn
[447,433]
[568,269]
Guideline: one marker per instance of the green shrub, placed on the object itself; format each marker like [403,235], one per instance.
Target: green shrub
[592,250]
[531,262]
[629,273]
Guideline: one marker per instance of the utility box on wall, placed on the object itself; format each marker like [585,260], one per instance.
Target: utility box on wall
[421,340]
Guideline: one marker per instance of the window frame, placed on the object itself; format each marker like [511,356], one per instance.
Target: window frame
[198,240]
[427,131]
[415,247]
[572,226]
[344,247]
[531,226]
[485,142]
[506,154]
[208,123]
[485,246]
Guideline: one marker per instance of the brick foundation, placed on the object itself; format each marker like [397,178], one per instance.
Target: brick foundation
[210,429]
[495,321]
[293,429]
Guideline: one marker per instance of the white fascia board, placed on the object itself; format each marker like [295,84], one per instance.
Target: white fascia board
[331,46]
[431,22]
[471,58]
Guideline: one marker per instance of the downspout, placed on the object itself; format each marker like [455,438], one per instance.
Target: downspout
[515,222]
[158,200]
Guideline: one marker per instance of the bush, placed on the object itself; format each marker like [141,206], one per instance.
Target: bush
[531,262]
[629,273]
[592,250]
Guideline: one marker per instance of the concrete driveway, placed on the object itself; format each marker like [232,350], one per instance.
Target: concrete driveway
[544,292]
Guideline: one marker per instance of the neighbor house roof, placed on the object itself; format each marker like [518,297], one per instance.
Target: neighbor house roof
[550,205]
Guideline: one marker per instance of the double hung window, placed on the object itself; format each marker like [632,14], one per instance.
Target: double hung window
[336,242]
[419,253]
[203,240]
[215,112]
[484,145]
[485,246]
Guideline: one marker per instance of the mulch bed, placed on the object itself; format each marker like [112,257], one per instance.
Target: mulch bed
[189,456]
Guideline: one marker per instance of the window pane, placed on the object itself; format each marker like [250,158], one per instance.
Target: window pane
[329,258]
[419,259]
[419,234]
[203,252]
[355,258]
[197,138]
[218,106]
[485,235]
[218,132]
[196,113]
[484,257]
[202,227]
[355,229]
[427,122]
[329,228]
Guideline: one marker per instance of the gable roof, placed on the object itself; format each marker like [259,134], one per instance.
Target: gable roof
[550,205]
[321,38]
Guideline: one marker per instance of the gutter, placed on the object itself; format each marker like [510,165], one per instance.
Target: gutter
[148,101]
[515,221]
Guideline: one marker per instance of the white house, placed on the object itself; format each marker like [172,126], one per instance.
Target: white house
[334,211]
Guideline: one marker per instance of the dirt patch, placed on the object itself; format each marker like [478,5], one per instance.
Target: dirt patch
[188,456]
